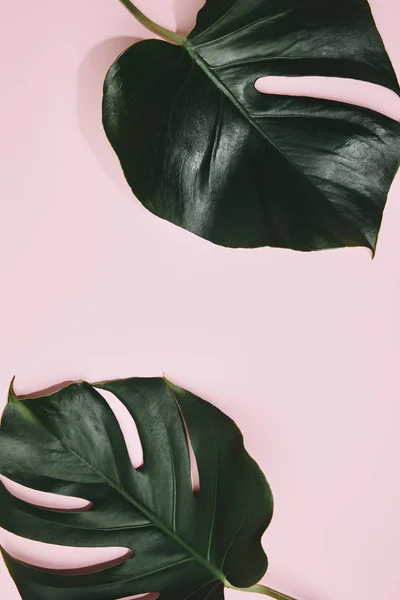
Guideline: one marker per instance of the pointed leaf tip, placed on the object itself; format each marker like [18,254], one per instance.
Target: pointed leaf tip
[12,396]
[171,386]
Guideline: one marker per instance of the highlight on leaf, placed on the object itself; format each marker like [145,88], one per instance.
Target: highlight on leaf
[167,537]
[202,148]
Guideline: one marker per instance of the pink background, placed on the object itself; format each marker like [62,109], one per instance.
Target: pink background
[301,350]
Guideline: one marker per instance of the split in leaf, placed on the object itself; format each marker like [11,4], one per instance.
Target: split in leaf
[202,148]
[181,545]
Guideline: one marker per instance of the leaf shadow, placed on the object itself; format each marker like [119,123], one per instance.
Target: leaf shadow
[186,14]
[93,568]
[91,75]
[47,391]
[41,561]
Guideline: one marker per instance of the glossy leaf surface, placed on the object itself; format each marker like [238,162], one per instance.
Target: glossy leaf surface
[184,546]
[203,149]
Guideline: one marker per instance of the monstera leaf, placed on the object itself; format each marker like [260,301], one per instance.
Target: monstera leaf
[202,148]
[185,545]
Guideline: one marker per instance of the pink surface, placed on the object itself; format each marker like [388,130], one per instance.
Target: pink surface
[301,350]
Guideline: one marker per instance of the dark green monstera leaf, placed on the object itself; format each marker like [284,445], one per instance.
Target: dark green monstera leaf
[184,545]
[202,148]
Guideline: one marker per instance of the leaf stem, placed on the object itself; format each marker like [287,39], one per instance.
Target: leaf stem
[261,589]
[158,29]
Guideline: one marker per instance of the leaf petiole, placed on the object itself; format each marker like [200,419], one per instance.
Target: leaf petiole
[261,589]
[158,29]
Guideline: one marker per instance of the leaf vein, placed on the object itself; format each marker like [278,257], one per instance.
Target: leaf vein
[243,110]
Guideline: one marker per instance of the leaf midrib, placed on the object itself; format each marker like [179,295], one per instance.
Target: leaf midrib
[147,513]
[205,67]
[225,90]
